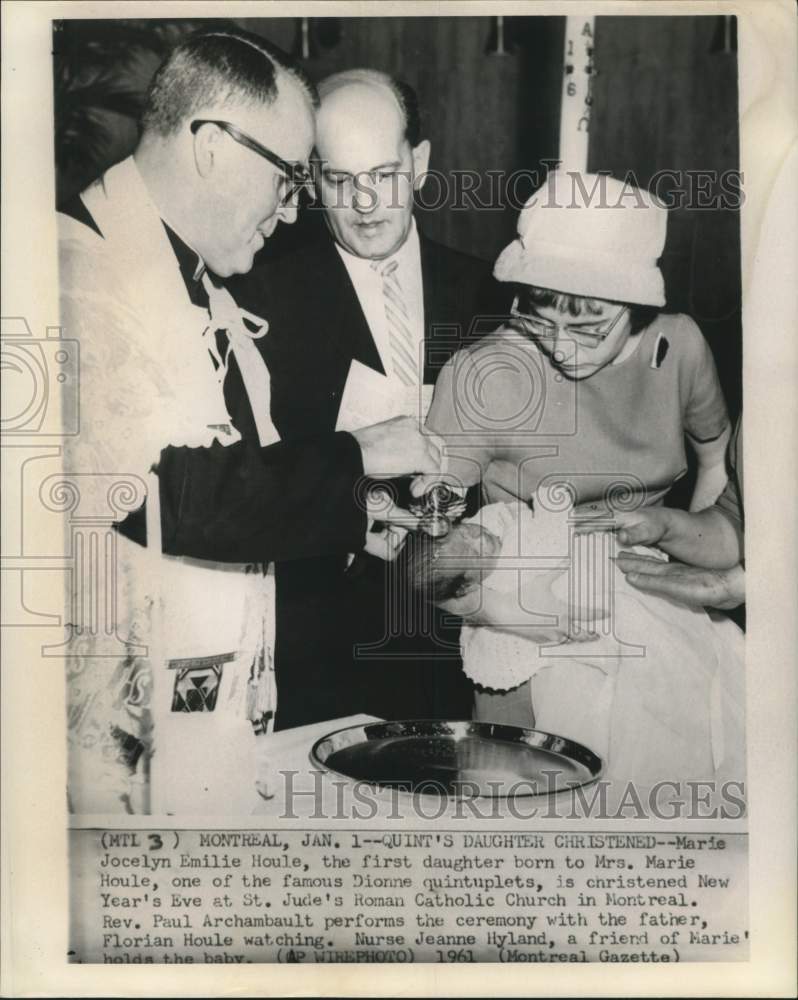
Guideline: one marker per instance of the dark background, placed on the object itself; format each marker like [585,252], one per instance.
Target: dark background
[665,97]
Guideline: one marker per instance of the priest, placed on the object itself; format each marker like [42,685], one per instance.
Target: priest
[169,725]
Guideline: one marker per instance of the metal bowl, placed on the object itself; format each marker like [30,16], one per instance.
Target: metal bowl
[457,758]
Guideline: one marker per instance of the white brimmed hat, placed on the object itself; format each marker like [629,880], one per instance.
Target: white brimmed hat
[589,235]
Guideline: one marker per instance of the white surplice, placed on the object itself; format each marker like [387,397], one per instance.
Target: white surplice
[146,382]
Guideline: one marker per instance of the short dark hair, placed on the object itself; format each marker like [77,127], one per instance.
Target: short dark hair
[408,102]
[403,93]
[435,584]
[639,316]
[219,65]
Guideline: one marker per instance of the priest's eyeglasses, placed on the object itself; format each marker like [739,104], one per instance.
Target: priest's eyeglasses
[297,174]
[589,334]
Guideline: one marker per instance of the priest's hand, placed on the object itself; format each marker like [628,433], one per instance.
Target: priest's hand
[385,542]
[387,525]
[397,447]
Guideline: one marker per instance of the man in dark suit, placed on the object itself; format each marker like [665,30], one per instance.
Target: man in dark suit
[368,318]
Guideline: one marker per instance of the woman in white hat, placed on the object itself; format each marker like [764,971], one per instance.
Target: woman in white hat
[589,385]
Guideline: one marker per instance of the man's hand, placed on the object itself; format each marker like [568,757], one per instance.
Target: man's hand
[422,484]
[386,542]
[397,447]
[707,588]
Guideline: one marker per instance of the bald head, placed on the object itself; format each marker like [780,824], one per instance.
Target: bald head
[369,166]
[404,95]
[361,116]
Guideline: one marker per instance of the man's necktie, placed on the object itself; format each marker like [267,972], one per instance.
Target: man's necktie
[404,349]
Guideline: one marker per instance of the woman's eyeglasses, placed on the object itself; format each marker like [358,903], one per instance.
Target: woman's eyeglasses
[297,174]
[589,335]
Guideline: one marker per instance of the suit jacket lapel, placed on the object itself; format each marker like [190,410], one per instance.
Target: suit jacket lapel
[439,302]
[347,324]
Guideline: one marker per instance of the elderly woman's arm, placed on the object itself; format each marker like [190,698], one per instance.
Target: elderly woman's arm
[693,585]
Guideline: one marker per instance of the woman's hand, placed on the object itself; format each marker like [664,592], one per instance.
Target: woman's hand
[705,539]
[645,526]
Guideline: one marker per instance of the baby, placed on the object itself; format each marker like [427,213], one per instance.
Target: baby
[652,686]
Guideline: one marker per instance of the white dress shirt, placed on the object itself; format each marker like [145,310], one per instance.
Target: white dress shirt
[367,282]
